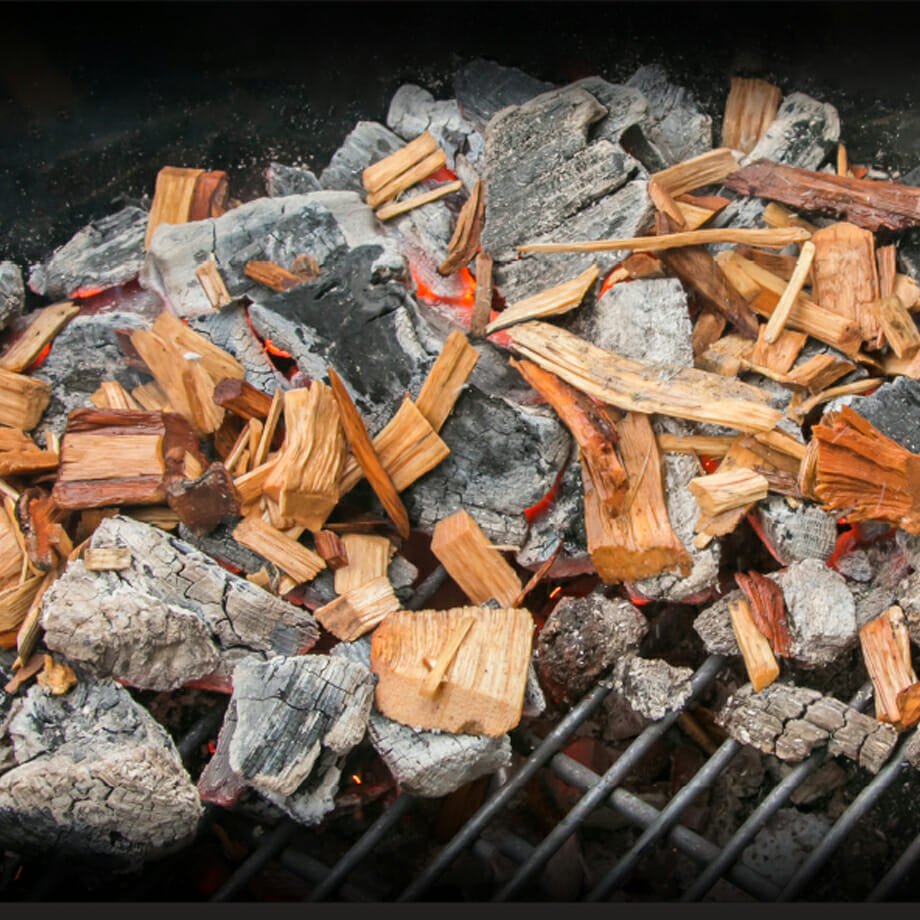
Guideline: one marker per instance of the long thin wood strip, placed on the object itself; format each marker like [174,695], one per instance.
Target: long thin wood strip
[47,324]
[268,429]
[395,208]
[468,233]
[415,174]
[396,163]
[706,445]
[759,660]
[777,321]
[363,450]
[845,389]
[662,200]
[446,379]
[482,303]
[446,656]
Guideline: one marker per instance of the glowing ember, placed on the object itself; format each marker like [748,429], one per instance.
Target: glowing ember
[84,292]
[464,301]
[536,511]
[858,535]
[39,360]
[710,464]
[556,591]
[356,779]
[442,175]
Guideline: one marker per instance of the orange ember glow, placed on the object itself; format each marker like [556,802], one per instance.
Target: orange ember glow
[356,779]
[443,174]
[273,349]
[39,360]
[85,292]
[465,300]
[556,591]
[536,511]
[609,282]
[710,464]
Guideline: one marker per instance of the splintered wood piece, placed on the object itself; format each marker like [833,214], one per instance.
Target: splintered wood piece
[23,400]
[332,548]
[271,275]
[767,609]
[48,322]
[291,556]
[851,466]
[846,275]
[591,427]
[693,215]
[749,109]
[242,398]
[898,327]
[362,448]
[165,364]
[907,291]
[781,265]
[843,166]
[408,447]
[482,302]
[383,171]
[465,241]
[251,484]
[219,363]
[358,610]
[237,460]
[14,559]
[207,416]
[395,208]
[151,397]
[781,354]
[699,444]
[172,198]
[112,395]
[16,600]
[30,629]
[639,542]
[700,272]
[446,379]
[780,314]
[663,201]
[709,325]
[722,491]
[768,238]
[465,552]
[87,455]
[819,372]
[19,454]
[107,558]
[55,676]
[446,656]
[799,408]
[868,203]
[481,692]
[551,302]
[204,498]
[209,198]
[270,426]
[304,481]
[775,215]
[637,386]
[213,285]
[890,670]
[413,175]
[37,517]
[367,556]
[886,260]
[759,660]
[709,168]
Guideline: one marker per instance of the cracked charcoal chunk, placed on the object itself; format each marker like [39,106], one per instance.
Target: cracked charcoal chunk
[98,779]
[794,534]
[803,134]
[482,88]
[103,254]
[281,180]
[714,626]
[626,107]
[582,638]
[893,409]
[367,143]
[652,686]
[12,293]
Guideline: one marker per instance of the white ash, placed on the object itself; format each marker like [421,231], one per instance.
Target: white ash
[855,566]
[368,142]
[713,625]
[281,180]
[794,534]
[627,106]
[105,253]
[12,293]
[781,846]
[652,686]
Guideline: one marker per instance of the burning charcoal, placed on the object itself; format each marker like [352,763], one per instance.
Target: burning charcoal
[790,722]
[626,107]
[369,142]
[782,845]
[795,533]
[121,794]
[105,253]
[652,686]
[820,611]
[12,293]
[240,619]
[803,134]
[296,720]
[893,409]
[428,764]
[83,355]
[217,783]
[281,180]
[583,637]
[714,626]
[483,88]
[674,128]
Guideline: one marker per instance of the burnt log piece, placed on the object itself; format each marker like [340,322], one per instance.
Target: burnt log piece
[12,293]
[582,638]
[790,722]
[105,253]
[893,409]
[428,764]
[97,780]
[205,502]
[714,626]
[651,686]
[192,619]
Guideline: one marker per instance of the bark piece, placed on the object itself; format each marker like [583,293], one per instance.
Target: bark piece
[209,198]
[213,284]
[482,691]
[206,501]
[172,198]
[39,333]
[332,548]
[291,556]
[767,610]
[750,108]
[632,385]
[358,610]
[868,203]
[759,660]
[242,398]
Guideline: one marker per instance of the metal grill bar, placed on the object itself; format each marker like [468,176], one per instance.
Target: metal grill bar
[612,778]
[473,827]
[312,870]
[858,808]
[895,875]
[256,861]
[669,815]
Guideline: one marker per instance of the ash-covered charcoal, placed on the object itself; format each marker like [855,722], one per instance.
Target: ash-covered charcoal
[790,722]
[652,686]
[281,180]
[220,545]
[795,533]
[803,133]
[217,783]
[782,845]
[83,355]
[894,408]
[367,143]
[105,253]
[483,87]
[191,618]
[12,293]
[428,764]
[675,128]
[713,625]
[889,567]
[97,779]
[626,107]
[229,329]
[820,612]
[582,638]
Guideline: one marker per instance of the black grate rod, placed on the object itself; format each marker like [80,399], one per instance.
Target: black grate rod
[473,827]
[857,809]
[895,875]
[619,872]
[767,808]
[611,779]
[256,861]
[362,847]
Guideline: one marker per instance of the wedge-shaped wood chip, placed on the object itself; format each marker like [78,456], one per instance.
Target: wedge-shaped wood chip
[481,571]
[383,171]
[898,327]
[19,454]
[705,169]
[48,322]
[759,660]
[481,689]
[218,363]
[464,243]
[368,557]
[749,109]
[213,285]
[291,556]
[446,379]
[172,198]
[886,652]
[720,492]
[112,395]
[23,400]
[358,610]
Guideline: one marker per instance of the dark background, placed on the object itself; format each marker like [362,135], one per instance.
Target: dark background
[96,97]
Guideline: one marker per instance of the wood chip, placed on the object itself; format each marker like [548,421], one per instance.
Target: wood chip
[172,198]
[292,557]
[48,322]
[213,285]
[107,558]
[750,108]
[759,660]
[723,491]
[709,168]
[358,610]
[395,208]
[780,314]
